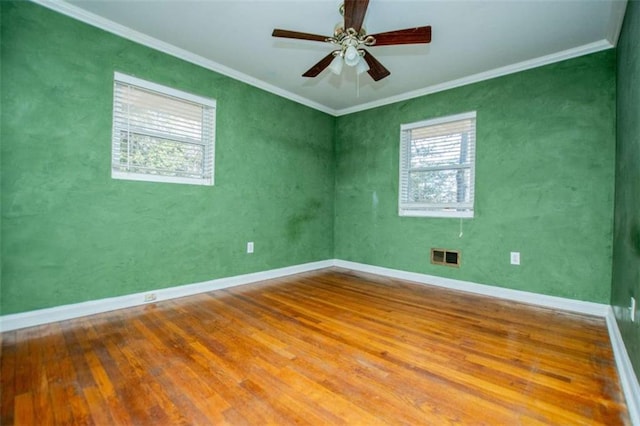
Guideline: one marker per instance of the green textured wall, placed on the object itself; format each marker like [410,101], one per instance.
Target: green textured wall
[544,182]
[626,238]
[70,233]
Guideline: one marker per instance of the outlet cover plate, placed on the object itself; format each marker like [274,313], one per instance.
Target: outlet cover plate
[250,247]
[515,257]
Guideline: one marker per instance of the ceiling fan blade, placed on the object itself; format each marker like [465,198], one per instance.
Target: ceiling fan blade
[354,11]
[407,36]
[320,66]
[376,70]
[298,35]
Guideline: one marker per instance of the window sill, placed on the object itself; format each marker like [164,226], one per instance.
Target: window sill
[159,178]
[436,213]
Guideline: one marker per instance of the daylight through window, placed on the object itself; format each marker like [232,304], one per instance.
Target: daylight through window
[161,134]
[437,164]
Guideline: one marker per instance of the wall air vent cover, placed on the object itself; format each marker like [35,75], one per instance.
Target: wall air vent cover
[445,257]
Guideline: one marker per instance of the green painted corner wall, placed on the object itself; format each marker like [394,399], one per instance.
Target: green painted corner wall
[70,233]
[304,186]
[544,182]
[626,237]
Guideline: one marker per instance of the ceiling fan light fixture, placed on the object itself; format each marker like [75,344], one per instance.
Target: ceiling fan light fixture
[336,65]
[351,56]
[362,66]
[350,38]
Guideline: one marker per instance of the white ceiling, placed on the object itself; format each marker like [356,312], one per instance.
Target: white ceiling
[472,40]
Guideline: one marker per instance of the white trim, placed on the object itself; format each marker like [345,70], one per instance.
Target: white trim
[554,302]
[628,378]
[439,120]
[138,37]
[487,75]
[459,123]
[163,90]
[120,30]
[413,212]
[179,105]
[59,313]
[65,312]
[116,174]
[616,19]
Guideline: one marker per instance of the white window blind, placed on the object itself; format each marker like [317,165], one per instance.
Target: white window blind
[437,165]
[161,134]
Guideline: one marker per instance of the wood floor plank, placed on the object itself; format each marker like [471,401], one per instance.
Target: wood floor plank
[7,376]
[23,409]
[100,413]
[525,343]
[52,345]
[314,366]
[166,408]
[326,347]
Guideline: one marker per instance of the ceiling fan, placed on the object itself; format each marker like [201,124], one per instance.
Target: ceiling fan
[350,39]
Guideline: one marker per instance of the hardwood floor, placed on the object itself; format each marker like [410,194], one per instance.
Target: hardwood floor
[329,347]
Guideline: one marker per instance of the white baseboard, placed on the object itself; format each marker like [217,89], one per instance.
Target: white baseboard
[59,313]
[75,310]
[628,378]
[554,302]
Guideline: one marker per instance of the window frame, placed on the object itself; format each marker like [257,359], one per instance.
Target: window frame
[209,144]
[416,209]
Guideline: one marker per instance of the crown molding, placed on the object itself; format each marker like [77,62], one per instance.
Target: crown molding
[60,6]
[486,75]
[616,19]
[145,40]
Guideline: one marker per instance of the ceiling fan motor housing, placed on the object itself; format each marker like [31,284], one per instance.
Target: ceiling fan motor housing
[351,37]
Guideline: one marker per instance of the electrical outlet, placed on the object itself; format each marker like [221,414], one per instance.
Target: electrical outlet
[149,297]
[250,247]
[515,257]
[632,308]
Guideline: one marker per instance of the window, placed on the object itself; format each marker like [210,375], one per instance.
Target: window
[161,134]
[437,162]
